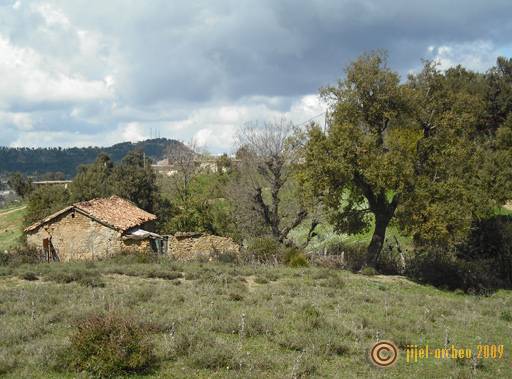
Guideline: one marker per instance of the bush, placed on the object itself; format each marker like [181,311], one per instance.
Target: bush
[129,257]
[168,275]
[391,260]
[214,354]
[298,260]
[506,316]
[64,277]
[333,281]
[29,276]
[294,257]
[369,271]
[21,255]
[311,316]
[84,278]
[264,250]
[442,268]
[203,350]
[93,281]
[110,345]
[491,241]
[4,258]
[260,280]
[352,257]
[235,296]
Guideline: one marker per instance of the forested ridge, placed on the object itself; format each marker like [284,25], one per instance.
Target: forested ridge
[33,161]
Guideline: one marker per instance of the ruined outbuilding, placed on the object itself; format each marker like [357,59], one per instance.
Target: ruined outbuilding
[95,229]
[201,246]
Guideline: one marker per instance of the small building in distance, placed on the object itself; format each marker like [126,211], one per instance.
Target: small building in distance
[95,229]
[49,183]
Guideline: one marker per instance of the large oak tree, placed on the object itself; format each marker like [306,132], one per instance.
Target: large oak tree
[409,153]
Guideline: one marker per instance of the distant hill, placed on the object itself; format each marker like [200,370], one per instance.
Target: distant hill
[37,161]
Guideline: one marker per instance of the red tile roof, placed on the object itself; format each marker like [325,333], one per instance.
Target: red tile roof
[115,212]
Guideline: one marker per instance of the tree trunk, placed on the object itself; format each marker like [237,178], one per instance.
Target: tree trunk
[379,234]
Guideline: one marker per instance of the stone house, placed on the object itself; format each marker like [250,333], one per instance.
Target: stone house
[95,229]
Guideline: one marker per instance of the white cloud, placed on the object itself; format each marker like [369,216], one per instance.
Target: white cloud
[212,127]
[216,127]
[30,78]
[88,72]
[52,15]
[132,131]
[21,121]
[477,55]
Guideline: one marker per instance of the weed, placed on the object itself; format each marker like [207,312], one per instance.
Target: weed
[168,275]
[506,315]
[369,271]
[260,280]
[29,276]
[109,345]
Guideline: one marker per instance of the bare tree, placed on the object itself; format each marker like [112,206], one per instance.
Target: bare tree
[183,163]
[268,154]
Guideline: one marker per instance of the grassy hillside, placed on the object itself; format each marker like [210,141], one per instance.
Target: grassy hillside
[228,321]
[11,220]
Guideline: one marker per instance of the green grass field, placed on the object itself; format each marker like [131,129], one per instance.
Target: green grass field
[11,220]
[245,321]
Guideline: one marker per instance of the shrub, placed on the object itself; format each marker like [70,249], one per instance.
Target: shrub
[491,241]
[369,271]
[506,315]
[391,260]
[352,257]
[85,278]
[93,281]
[203,350]
[312,317]
[298,260]
[168,275]
[7,365]
[4,258]
[327,261]
[481,264]
[185,342]
[214,354]
[21,255]
[110,345]
[129,257]
[64,277]
[264,249]
[29,276]
[225,256]
[235,296]
[443,269]
[333,281]
[260,280]
[294,257]
[192,275]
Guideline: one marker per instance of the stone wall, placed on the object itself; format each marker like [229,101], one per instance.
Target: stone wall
[142,246]
[191,246]
[77,237]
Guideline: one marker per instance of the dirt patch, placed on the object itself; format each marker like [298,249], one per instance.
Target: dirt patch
[12,211]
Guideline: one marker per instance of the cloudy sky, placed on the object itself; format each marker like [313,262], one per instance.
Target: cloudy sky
[97,72]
